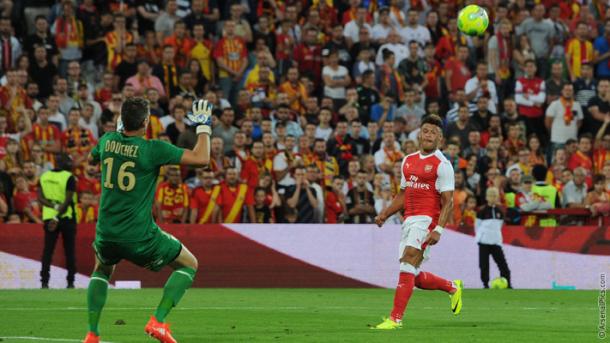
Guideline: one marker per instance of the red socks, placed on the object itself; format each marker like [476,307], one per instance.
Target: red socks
[406,282]
[430,281]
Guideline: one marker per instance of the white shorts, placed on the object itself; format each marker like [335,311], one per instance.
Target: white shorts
[414,233]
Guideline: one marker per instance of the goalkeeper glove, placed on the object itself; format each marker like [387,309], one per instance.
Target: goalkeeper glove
[202,116]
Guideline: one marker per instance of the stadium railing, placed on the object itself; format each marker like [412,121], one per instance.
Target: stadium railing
[583,215]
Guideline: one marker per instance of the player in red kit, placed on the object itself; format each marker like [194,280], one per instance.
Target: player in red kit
[426,195]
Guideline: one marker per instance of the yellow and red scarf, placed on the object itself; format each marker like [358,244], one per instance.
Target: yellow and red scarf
[568,115]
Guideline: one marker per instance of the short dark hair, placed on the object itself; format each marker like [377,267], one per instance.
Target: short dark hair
[453,142]
[63,161]
[432,119]
[368,73]
[539,172]
[586,135]
[387,53]
[597,178]
[134,112]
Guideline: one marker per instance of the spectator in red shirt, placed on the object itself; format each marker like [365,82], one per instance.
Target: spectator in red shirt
[456,70]
[582,157]
[89,181]
[351,13]
[308,56]
[446,46]
[25,202]
[284,45]
[30,175]
[87,208]
[203,200]
[530,96]
[601,151]
[172,199]
[77,141]
[103,94]
[334,202]
[514,141]
[231,56]
[235,196]
[13,99]
[181,42]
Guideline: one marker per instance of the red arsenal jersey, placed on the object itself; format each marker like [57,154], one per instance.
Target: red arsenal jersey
[424,178]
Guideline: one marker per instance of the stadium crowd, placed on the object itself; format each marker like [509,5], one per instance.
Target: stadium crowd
[316,102]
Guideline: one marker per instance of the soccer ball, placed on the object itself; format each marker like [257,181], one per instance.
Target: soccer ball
[499,283]
[473,20]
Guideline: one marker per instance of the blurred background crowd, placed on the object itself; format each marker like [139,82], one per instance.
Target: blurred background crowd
[316,102]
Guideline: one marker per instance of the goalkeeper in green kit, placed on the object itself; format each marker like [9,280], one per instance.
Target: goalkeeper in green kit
[125,229]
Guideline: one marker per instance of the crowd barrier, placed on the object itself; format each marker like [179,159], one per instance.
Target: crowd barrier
[301,255]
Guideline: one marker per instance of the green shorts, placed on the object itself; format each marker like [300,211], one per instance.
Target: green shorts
[153,254]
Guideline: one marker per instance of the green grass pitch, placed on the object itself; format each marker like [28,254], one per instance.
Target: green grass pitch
[306,315]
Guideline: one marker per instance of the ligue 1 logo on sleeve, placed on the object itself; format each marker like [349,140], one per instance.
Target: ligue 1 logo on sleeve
[428,168]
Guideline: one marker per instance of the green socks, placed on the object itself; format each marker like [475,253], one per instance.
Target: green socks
[96,298]
[177,284]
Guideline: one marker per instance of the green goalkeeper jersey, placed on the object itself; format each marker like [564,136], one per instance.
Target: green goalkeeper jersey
[130,169]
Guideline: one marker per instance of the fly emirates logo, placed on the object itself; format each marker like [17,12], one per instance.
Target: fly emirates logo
[412,183]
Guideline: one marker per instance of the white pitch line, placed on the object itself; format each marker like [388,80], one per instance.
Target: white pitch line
[279,308]
[44,339]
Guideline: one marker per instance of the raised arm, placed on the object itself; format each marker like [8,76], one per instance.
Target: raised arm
[200,155]
[600,133]
[202,116]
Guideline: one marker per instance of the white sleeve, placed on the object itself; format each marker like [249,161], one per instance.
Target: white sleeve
[425,33]
[550,111]
[279,162]
[445,181]
[350,31]
[326,71]
[519,99]
[379,158]
[541,96]
[470,85]
[403,179]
